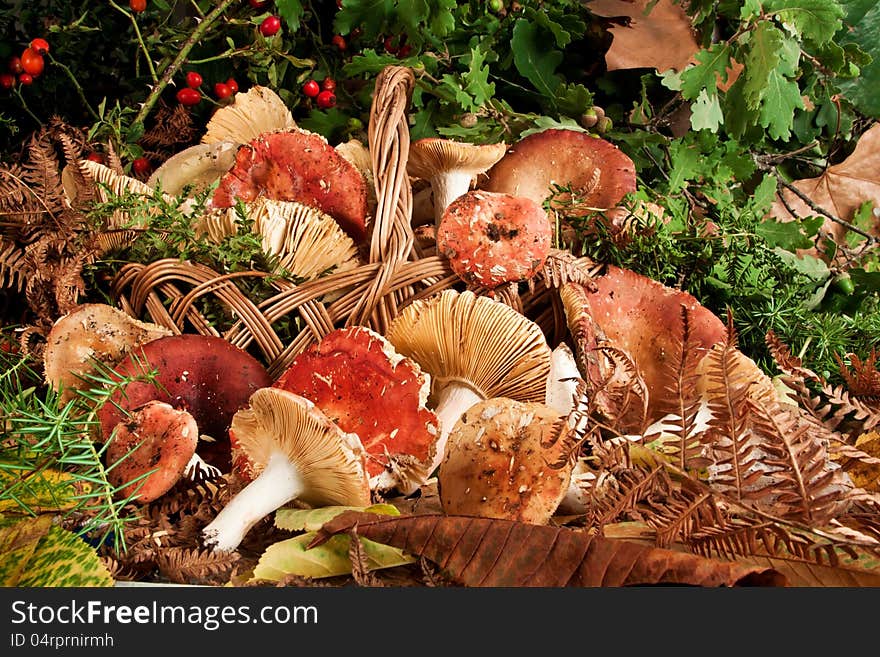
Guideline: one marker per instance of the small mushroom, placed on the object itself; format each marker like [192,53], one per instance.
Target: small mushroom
[450,166]
[254,112]
[505,459]
[205,375]
[598,172]
[296,453]
[361,383]
[297,165]
[150,450]
[91,335]
[491,239]
[474,348]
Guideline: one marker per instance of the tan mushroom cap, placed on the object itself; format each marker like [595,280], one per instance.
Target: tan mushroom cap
[90,334]
[505,459]
[156,436]
[432,155]
[330,461]
[252,113]
[198,167]
[476,341]
[597,170]
[492,238]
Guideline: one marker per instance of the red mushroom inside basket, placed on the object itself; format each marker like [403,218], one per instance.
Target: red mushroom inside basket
[204,375]
[297,165]
[355,376]
[596,171]
[491,239]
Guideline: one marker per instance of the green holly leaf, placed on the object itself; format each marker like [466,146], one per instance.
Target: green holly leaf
[781,98]
[813,20]
[534,60]
[291,12]
[703,75]
[706,112]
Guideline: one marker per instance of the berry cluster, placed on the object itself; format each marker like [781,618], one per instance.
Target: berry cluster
[190,94]
[323,93]
[24,69]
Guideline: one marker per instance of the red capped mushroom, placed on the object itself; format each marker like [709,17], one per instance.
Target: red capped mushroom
[492,238]
[598,172]
[150,450]
[359,381]
[205,375]
[297,165]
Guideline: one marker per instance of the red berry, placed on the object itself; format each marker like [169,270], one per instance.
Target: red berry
[188,96]
[389,45]
[258,4]
[7,81]
[311,89]
[339,41]
[326,99]
[222,90]
[32,62]
[339,4]
[193,80]
[25,78]
[14,65]
[137,6]
[95,157]
[328,84]
[141,166]
[233,85]
[40,45]
[404,50]
[270,26]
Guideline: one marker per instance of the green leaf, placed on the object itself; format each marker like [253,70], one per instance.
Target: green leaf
[762,55]
[789,235]
[867,281]
[328,123]
[781,98]
[312,519]
[543,123]
[534,60]
[813,20]
[808,265]
[687,161]
[862,90]
[369,62]
[573,99]
[703,75]
[17,545]
[61,558]
[368,15]
[541,18]
[291,11]
[476,79]
[706,112]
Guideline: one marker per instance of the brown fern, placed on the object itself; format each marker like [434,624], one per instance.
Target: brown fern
[629,487]
[195,566]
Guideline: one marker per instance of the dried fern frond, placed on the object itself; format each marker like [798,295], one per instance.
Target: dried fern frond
[562,266]
[196,566]
[607,504]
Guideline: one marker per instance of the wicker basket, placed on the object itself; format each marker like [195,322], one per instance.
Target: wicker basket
[396,273]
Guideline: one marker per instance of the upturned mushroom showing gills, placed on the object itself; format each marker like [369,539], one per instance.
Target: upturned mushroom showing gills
[474,348]
[150,450]
[356,378]
[450,166]
[506,459]
[491,239]
[598,172]
[297,165]
[296,452]
[205,375]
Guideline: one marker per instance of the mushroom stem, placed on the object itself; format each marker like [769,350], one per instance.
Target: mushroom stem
[453,400]
[563,380]
[278,483]
[448,187]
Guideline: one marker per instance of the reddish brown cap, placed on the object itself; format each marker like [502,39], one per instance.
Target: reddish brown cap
[598,171]
[205,375]
[505,459]
[493,238]
[154,437]
[361,383]
[297,165]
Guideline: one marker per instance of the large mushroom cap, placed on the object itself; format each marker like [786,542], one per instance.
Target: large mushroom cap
[91,335]
[157,439]
[205,375]
[298,165]
[197,167]
[505,459]
[599,173]
[252,113]
[329,460]
[359,381]
[474,340]
[493,238]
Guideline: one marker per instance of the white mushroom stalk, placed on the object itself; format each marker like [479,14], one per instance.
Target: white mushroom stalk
[447,187]
[280,482]
[453,400]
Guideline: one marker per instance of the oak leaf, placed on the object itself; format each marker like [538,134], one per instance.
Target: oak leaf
[660,38]
[484,552]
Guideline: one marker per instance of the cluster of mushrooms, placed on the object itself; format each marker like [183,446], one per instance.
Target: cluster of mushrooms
[461,385]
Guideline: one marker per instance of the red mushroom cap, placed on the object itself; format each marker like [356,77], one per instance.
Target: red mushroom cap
[156,436]
[205,375]
[597,170]
[492,238]
[358,380]
[297,165]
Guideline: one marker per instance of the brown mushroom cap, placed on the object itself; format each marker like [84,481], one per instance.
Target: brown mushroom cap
[205,375]
[91,335]
[504,459]
[298,165]
[597,170]
[156,436]
[492,238]
[361,383]
[329,460]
